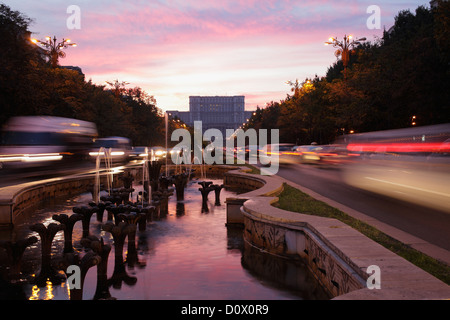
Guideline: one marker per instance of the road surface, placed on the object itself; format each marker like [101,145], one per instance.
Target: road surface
[427,224]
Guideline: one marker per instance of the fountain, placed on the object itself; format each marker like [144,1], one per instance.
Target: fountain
[102,250]
[119,233]
[207,187]
[97,186]
[15,251]
[146,192]
[180,181]
[86,214]
[205,190]
[89,260]
[145,215]
[101,206]
[127,180]
[162,199]
[46,235]
[154,170]
[217,188]
[69,223]
[131,219]
[165,182]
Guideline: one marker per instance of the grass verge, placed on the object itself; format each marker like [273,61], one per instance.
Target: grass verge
[254,170]
[292,199]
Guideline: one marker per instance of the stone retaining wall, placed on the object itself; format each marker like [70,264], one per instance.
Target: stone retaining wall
[296,240]
[17,199]
[338,255]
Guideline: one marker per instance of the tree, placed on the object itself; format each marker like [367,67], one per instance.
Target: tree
[29,86]
[18,59]
[147,120]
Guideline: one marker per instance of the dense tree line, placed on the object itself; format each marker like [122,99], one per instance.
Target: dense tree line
[406,73]
[29,86]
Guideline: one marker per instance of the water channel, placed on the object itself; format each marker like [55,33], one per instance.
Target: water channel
[186,254]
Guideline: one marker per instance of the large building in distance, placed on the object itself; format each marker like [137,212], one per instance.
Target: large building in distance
[218,112]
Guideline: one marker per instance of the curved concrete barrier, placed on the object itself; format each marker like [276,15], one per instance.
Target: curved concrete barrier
[17,199]
[341,258]
[338,255]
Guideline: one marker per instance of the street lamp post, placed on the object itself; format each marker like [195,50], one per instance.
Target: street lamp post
[119,87]
[53,49]
[344,48]
[297,86]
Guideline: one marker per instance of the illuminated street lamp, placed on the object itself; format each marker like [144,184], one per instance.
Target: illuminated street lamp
[119,87]
[297,86]
[307,85]
[344,48]
[54,50]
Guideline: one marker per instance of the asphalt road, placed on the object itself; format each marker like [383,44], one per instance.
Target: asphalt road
[10,177]
[428,224]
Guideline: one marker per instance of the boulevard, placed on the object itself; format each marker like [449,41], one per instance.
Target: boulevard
[424,223]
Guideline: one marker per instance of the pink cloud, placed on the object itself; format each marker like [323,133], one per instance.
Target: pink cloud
[179,46]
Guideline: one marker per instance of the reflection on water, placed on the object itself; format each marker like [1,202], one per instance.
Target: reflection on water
[186,254]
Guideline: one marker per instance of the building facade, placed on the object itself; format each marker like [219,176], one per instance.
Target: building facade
[218,112]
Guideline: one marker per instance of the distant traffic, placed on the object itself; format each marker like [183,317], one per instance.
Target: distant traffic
[412,164]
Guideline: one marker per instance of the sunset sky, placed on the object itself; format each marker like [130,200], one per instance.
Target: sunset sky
[173,49]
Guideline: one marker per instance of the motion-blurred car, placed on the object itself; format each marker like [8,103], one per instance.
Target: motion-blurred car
[308,154]
[139,153]
[114,149]
[281,152]
[157,153]
[40,141]
[409,164]
[332,154]
[322,154]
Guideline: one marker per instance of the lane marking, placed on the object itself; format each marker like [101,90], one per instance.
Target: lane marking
[410,187]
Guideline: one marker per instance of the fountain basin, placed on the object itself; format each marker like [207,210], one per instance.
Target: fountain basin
[17,199]
[185,254]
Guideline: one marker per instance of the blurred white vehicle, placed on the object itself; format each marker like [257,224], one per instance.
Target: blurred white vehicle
[114,149]
[411,164]
[308,153]
[139,153]
[282,153]
[157,153]
[34,141]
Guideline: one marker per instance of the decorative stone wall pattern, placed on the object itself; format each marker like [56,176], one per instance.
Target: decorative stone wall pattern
[330,271]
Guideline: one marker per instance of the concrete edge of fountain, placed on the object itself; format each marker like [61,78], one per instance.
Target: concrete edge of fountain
[338,255]
[16,199]
[327,245]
